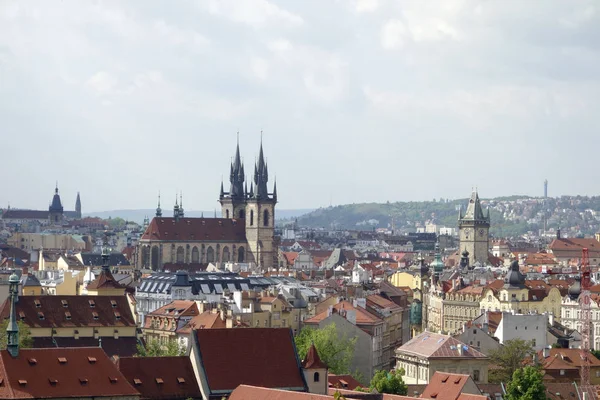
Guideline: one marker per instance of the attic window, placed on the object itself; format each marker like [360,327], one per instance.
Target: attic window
[92,360]
[92,303]
[32,361]
[53,381]
[95,315]
[68,316]
[445,378]
[41,315]
[62,360]
[159,381]
[137,381]
[37,304]
[180,380]
[64,303]
[22,382]
[457,380]
[113,379]
[21,315]
[433,395]
[113,304]
[83,381]
[117,315]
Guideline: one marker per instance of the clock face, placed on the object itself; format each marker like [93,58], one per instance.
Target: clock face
[481,232]
[467,232]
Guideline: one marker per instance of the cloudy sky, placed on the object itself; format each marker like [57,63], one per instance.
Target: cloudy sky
[359,100]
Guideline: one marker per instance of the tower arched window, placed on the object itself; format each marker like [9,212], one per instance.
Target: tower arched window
[226,254]
[316,377]
[241,254]
[251,217]
[195,255]
[226,213]
[210,255]
[241,214]
[266,218]
[154,258]
[180,255]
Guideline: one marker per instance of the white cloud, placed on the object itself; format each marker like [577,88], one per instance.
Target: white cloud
[260,68]
[255,13]
[365,6]
[393,34]
[102,82]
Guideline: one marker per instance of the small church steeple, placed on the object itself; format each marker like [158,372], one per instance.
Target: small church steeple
[158,209]
[176,209]
[181,212]
[78,206]
[12,330]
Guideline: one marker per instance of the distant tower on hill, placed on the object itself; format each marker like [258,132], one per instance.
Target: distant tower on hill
[546,188]
[78,206]
[56,210]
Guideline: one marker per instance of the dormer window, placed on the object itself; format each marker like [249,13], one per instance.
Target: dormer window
[68,316]
[113,304]
[37,303]
[41,316]
[92,303]
[65,304]
[95,315]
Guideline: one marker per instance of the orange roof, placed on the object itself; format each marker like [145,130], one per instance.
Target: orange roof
[565,359]
[312,360]
[363,317]
[245,392]
[205,320]
[343,382]
[381,301]
[445,386]
[290,256]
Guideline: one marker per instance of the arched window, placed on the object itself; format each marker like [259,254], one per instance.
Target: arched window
[173,253]
[210,255]
[203,254]
[218,253]
[316,377]
[226,213]
[226,254]
[251,217]
[180,255]
[241,213]
[195,255]
[145,256]
[154,258]
[241,254]
[266,218]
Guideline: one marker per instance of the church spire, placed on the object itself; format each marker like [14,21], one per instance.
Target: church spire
[12,330]
[181,213]
[78,205]
[261,175]
[158,209]
[105,254]
[236,175]
[176,209]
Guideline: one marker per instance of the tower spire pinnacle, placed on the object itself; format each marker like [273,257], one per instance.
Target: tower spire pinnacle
[158,209]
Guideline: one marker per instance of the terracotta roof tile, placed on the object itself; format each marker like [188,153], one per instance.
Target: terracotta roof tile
[312,360]
[245,392]
[445,386]
[256,356]
[87,372]
[105,280]
[435,345]
[178,380]
[205,320]
[343,382]
[196,229]
[363,317]
[51,311]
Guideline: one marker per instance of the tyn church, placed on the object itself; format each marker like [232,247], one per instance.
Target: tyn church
[244,234]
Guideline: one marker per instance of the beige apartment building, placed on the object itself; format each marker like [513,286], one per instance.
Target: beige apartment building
[32,242]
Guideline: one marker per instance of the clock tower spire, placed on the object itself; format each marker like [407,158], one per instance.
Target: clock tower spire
[474,227]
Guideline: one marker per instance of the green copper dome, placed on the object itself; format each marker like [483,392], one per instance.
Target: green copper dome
[437,264]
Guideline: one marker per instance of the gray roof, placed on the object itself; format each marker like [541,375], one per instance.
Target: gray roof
[95,259]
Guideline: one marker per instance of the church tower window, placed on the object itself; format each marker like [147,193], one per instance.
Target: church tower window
[241,254]
[266,218]
[251,217]
[210,255]
[195,255]
[180,255]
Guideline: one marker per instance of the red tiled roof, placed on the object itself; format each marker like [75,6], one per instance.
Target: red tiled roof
[71,311]
[104,281]
[84,372]
[205,320]
[196,229]
[256,356]
[565,359]
[381,302]
[343,382]
[363,317]
[312,360]
[175,374]
[468,396]
[290,256]
[245,392]
[123,346]
[445,386]
[435,345]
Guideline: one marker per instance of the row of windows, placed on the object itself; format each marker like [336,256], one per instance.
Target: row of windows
[266,216]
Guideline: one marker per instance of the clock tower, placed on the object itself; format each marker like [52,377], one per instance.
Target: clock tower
[474,229]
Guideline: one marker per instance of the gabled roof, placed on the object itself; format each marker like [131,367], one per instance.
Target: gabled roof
[123,346]
[445,386]
[84,372]
[95,259]
[71,311]
[25,214]
[435,345]
[196,229]
[343,382]
[256,356]
[245,392]
[312,360]
[105,280]
[565,359]
[205,320]
[161,377]
[363,317]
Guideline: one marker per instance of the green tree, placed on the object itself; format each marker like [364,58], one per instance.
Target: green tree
[526,384]
[154,348]
[335,350]
[25,340]
[508,359]
[390,382]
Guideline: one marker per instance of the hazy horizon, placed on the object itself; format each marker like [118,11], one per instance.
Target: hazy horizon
[358,100]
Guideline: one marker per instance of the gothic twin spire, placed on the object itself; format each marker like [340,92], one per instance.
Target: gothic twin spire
[258,185]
